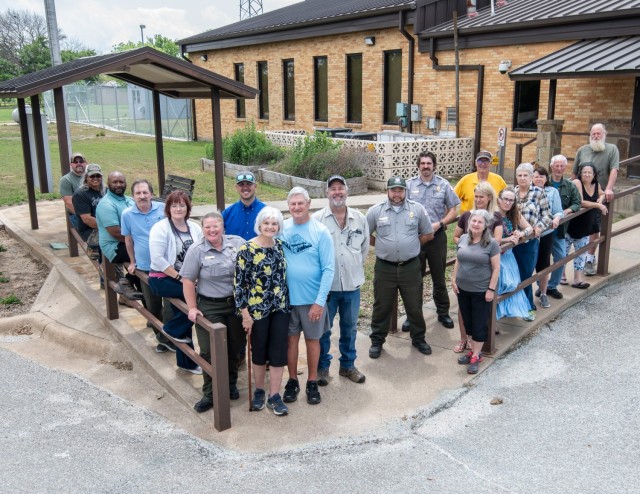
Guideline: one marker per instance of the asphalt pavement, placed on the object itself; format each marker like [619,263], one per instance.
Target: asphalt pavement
[567,421]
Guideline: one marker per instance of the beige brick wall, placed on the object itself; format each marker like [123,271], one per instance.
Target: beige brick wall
[580,102]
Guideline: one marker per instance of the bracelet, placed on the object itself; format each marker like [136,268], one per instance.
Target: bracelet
[178,277]
[491,289]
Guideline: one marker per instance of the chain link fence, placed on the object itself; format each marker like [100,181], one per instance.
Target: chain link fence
[123,108]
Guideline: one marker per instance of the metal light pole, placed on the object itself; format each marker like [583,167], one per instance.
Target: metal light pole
[142,26]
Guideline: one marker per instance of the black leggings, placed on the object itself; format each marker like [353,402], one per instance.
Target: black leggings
[270,339]
[544,252]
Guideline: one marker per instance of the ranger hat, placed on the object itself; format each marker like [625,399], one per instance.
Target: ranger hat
[396,182]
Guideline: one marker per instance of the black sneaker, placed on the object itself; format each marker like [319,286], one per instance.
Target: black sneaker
[167,345]
[203,405]
[555,293]
[275,404]
[291,390]
[126,289]
[258,401]
[234,394]
[313,394]
[161,348]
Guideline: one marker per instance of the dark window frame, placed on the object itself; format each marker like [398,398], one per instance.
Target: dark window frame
[238,73]
[388,107]
[263,86]
[526,106]
[320,89]
[288,89]
[354,101]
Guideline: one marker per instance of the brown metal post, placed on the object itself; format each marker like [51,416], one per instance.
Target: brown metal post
[111,297]
[220,377]
[39,142]
[393,323]
[27,158]
[157,126]
[605,247]
[217,147]
[489,346]
[551,105]
[61,125]
[518,160]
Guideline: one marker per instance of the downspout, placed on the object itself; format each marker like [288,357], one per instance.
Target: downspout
[412,44]
[193,101]
[480,91]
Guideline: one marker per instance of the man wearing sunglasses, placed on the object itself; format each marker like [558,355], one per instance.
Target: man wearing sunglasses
[71,182]
[240,217]
[467,185]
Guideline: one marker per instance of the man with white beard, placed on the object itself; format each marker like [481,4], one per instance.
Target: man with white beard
[606,159]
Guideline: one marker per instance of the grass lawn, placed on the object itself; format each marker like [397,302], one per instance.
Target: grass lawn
[135,156]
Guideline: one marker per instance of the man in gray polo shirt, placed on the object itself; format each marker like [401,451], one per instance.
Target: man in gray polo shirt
[350,233]
[400,226]
[440,201]
[71,182]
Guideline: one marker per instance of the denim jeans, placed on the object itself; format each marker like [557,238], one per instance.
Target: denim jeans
[179,325]
[347,306]
[558,251]
[526,255]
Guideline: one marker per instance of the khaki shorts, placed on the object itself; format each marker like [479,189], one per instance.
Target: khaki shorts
[299,323]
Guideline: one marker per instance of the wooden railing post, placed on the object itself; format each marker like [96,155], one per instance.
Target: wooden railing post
[606,227]
[220,377]
[111,297]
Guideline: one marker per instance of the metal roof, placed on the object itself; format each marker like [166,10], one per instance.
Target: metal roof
[531,13]
[145,67]
[303,13]
[586,58]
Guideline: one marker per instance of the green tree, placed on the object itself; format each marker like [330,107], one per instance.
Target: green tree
[35,56]
[159,42]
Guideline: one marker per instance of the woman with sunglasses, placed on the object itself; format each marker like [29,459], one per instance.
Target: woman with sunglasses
[169,241]
[514,228]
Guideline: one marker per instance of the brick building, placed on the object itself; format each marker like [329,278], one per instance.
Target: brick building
[346,63]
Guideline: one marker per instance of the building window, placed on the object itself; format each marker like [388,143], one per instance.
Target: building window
[525,107]
[263,86]
[288,77]
[320,89]
[238,69]
[392,85]
[354,88]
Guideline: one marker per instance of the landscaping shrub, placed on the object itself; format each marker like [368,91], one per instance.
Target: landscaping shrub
[322,164]
[247,147]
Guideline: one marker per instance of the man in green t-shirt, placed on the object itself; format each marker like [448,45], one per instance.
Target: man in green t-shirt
[71,182]
[605,158]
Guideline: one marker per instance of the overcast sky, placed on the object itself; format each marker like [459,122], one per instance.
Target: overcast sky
[100,24]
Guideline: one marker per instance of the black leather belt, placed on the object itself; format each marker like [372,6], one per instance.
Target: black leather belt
[226,300]
[401,263]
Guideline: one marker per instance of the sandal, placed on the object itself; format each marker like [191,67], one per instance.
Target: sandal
[461,346]
[564,281]
[582,285]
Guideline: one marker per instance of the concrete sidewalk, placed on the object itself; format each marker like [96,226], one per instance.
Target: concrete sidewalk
[401,384]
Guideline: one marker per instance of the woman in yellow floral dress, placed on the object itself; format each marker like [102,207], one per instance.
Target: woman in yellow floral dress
[263,300]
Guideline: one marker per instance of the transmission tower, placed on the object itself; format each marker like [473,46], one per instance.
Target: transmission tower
[250,8]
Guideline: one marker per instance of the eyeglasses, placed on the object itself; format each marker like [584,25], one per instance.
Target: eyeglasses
[95,176]
[78,161]
[483,160]
[245,177]
[505,199]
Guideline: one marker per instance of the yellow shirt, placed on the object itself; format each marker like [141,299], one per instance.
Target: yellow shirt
[467,185]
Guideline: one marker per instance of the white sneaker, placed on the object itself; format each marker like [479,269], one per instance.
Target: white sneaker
[197,371]
[590,268]
[544,301]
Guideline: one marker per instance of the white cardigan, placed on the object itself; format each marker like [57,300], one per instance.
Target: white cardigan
[162,243]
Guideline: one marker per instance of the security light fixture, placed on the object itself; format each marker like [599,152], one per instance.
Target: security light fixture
[203,58]
[369,40]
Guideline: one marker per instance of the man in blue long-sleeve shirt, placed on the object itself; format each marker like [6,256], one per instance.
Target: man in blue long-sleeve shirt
[310,258]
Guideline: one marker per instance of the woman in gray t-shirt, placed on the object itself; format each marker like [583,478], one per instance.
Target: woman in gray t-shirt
[474,281]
